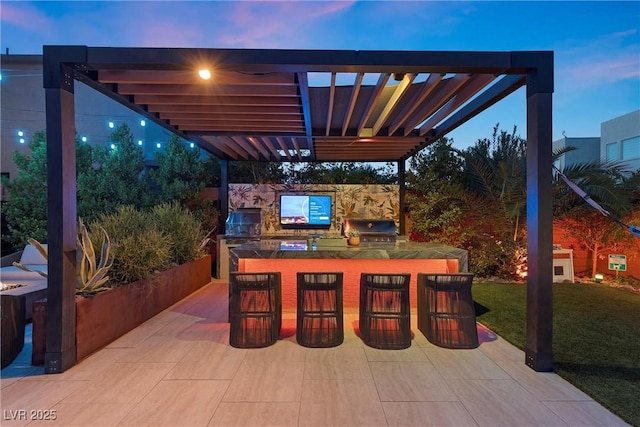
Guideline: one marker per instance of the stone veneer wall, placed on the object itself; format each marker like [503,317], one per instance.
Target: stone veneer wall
[349,201]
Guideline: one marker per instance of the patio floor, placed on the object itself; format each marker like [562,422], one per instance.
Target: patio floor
[177,369]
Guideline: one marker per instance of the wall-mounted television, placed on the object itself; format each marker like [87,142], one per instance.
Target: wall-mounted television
[305,211]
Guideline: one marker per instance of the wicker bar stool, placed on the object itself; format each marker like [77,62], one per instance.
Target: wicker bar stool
[385,316]
[446,314]
[255,309]
[319,316]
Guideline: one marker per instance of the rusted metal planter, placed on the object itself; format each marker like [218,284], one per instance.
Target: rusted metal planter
[102,318]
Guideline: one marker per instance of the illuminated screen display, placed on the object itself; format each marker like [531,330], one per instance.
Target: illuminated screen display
[305,211]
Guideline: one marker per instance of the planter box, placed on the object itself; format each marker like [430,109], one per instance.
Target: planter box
[102,318]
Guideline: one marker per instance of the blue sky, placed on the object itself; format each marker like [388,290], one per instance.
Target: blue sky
[596,44]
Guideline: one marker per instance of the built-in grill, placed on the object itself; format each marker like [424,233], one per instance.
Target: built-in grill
[244,222]
[372,230]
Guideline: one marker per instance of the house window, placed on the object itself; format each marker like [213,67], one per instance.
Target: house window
[631,148]
[612,151]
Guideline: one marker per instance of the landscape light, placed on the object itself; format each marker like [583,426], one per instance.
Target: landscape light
[139,142]
[192,145]
[111,125]
[113,146]
[84,139]
[598,277]
[158,145]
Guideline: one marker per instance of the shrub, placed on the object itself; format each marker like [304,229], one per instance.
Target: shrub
[139,249]
[182,227]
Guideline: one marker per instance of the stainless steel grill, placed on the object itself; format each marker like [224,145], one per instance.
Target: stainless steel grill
[244,222]
[373,230]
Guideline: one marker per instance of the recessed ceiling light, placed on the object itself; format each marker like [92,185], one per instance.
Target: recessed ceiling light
[204,74]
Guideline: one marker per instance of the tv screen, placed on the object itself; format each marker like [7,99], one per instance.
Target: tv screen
[305,211]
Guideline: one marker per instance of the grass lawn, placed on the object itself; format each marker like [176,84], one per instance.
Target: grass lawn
[596,337]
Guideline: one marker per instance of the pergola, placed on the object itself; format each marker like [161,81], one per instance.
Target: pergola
[263,105]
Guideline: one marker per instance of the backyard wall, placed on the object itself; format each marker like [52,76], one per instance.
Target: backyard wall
[582,257]
[349,201]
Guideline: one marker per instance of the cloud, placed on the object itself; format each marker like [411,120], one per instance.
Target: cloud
[26,18]
[277,24]
[604,60]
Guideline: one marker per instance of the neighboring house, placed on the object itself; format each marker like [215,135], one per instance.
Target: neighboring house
[587,150]
[621,140]
[22,101]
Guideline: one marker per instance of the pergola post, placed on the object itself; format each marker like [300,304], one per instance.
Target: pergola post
[402,178]
[539,329]
[61,223]
[224,194]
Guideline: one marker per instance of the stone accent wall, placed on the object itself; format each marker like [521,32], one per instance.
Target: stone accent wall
[349,201]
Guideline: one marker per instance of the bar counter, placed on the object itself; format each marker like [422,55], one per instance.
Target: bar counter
[291,256]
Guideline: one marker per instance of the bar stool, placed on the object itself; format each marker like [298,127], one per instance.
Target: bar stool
[446,313]
[385,316]
[320,315]
[255,309]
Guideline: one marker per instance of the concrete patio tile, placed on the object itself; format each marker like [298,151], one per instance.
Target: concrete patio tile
[463,364]
[426,414]
[121,383]
[543,385]
[503,403]
[410,382]
[208,361]
[348,362]
[157,349]
[411,354]
[348,402]
[585,413]
[266,380]
[178,403]
[256,414]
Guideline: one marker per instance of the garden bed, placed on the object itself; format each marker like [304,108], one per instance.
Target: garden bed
[102,318]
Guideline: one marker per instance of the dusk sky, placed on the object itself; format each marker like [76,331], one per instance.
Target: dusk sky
[596,44]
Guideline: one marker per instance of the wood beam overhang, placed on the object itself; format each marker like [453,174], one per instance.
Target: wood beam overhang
[302,61]
[442,93]
[303,87]
[190,77]
[212,145]
[352,102]
[284,147]
[399,91]
[200,90]
[425,90]
[472,87]
[375,95]
[502,88]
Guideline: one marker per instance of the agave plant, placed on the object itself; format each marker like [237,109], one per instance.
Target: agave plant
[92,276]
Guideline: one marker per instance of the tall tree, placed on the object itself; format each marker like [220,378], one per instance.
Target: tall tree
[26,209]
[180,172]
[116,178]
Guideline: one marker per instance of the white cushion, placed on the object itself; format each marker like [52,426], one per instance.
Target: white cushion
[30,255]
[12,274]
